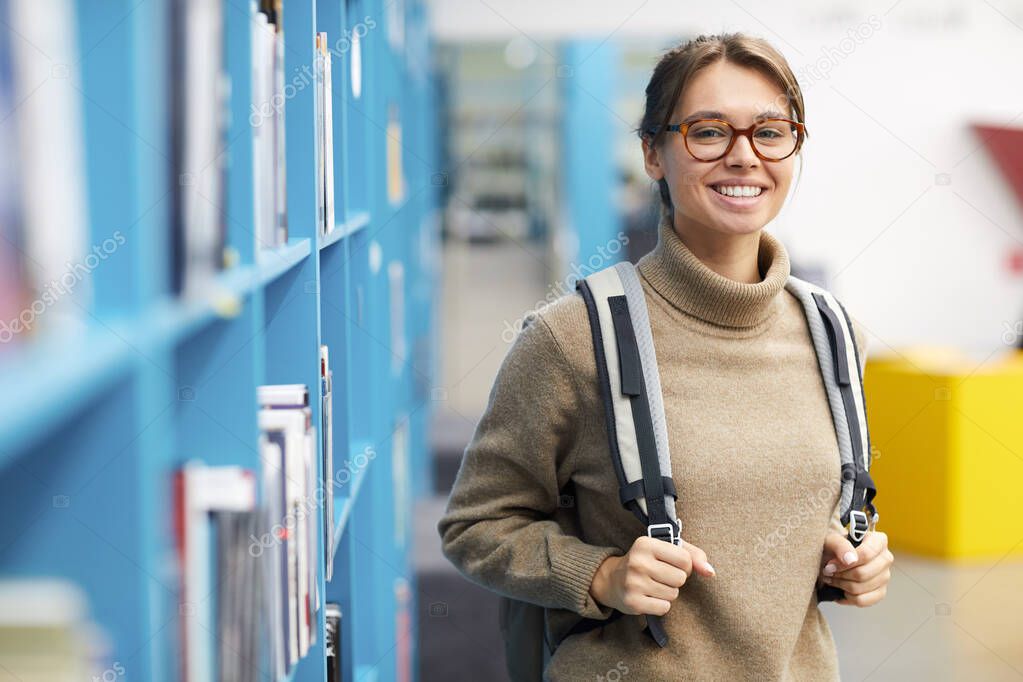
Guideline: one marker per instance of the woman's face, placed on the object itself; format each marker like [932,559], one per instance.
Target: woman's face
[740,94]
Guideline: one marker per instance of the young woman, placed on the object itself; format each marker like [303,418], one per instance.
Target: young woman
[752,442]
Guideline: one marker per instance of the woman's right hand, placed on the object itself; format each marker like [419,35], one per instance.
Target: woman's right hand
[648,577]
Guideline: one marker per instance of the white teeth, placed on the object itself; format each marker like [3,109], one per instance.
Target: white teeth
[738,190]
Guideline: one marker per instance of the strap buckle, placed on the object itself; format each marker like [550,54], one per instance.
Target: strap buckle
[656,530]
[858,524]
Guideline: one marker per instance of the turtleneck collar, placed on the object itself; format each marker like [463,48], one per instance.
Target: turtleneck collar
[687,283]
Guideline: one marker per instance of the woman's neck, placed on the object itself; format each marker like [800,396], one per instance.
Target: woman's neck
[732,256]
[727,289]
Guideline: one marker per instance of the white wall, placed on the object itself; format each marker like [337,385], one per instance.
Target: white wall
[916,261]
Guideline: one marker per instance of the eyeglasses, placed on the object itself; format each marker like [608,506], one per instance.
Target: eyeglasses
[772,139]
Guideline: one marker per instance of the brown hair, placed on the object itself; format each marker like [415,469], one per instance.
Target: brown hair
[680,64]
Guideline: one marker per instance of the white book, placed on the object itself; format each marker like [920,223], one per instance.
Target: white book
[271,457]
[298,468]
[282,395]
[50,166]
[262,123]
[327,419]
[205,489]
[200,179]
[312,538]
[45,631]
[320,132]
[294,425]
[328,142]
[280,157]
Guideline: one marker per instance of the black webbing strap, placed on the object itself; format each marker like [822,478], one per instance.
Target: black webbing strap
[859,373]
[634,490]
[629,365]
[836,339]
[628,356]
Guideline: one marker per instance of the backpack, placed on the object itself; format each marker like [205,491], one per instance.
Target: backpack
[637,435]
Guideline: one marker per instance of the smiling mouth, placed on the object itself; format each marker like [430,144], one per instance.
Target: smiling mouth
[741,198]
[738,191]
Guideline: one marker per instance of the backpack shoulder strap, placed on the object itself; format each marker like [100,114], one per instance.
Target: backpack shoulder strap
[633,407]
[832,334]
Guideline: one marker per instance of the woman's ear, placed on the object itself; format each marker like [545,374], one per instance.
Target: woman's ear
[651,159]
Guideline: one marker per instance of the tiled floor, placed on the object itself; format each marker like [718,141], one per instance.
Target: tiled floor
[939,621]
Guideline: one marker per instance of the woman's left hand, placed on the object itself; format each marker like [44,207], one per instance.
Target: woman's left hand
[861,572]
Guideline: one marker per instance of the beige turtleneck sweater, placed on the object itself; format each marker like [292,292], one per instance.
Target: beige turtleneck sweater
[754,458]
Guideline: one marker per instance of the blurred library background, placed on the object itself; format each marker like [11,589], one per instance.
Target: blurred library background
[260,261]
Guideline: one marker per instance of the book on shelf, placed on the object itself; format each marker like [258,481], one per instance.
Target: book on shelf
[273,548]
[328,142]
[280,157]
[199,108]
[324,137]
[240,604]
[395,171]
[283,396]
[214,507]
[14,297]
[45,259]
[320,106]
[263,124]
[267,122]
[327,418]
[332,641]
[290,480]
[47,635]
[402,630]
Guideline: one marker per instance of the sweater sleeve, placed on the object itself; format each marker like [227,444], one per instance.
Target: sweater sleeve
[498,527]
[861,347]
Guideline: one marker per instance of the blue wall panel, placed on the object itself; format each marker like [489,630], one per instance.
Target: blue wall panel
[587,135]
[95,426]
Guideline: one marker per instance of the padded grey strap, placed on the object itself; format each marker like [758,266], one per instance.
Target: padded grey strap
[804,291]
[606,284]
[651,376]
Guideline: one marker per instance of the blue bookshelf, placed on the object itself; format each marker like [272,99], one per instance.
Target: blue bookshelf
[94,424]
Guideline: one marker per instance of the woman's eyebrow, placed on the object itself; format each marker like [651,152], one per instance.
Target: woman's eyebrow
[706,113]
